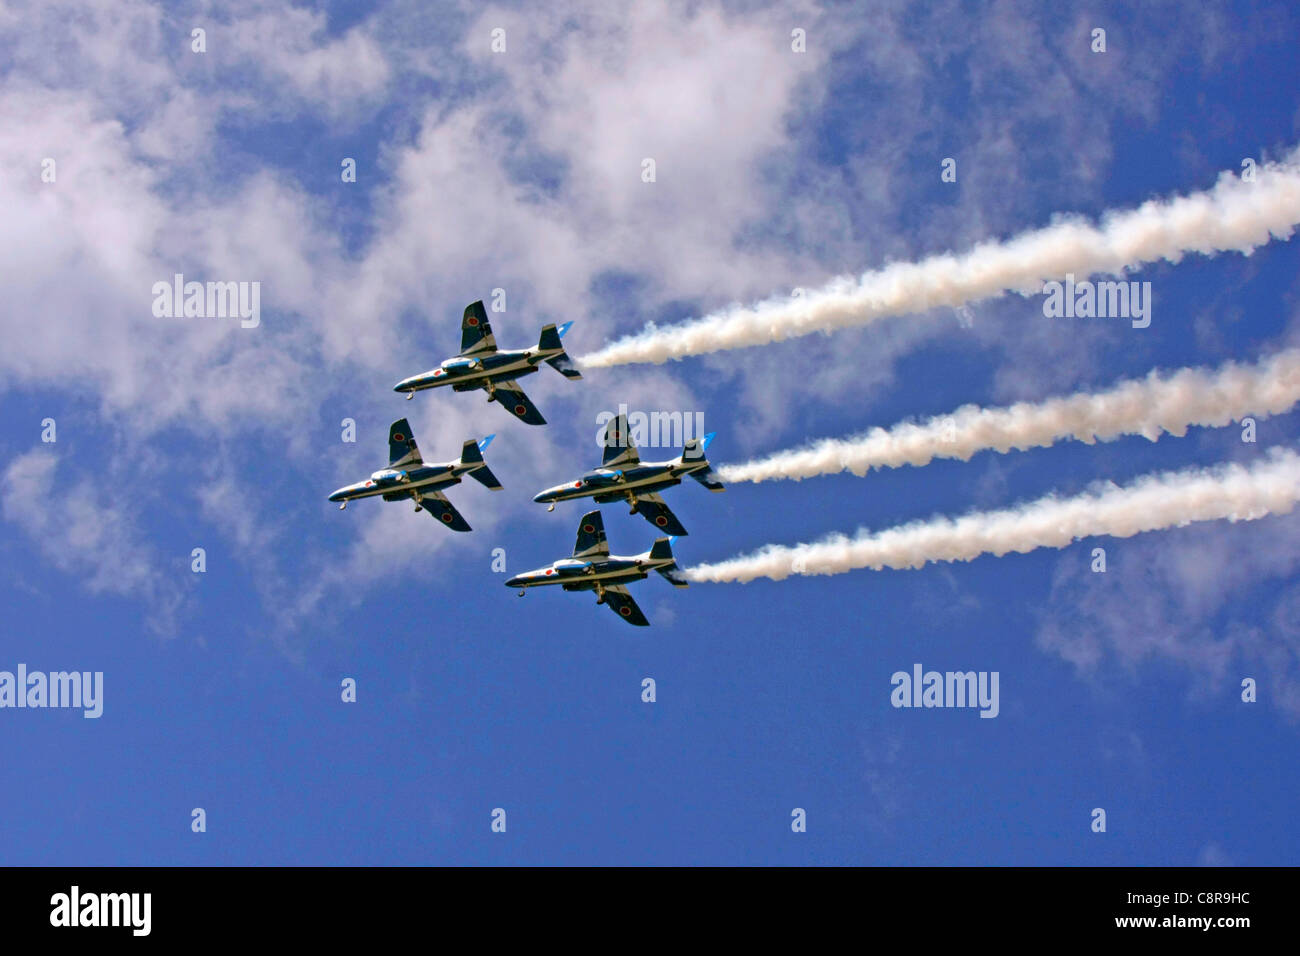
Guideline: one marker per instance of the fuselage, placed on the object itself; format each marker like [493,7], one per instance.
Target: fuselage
[475,371]
[424,478]
[581,574]
[611,484]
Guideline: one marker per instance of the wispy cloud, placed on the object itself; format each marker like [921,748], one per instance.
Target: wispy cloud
[1233,216]
[74,527]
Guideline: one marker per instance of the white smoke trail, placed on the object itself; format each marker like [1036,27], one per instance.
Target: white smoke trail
[1145,407]
[1168,500]
[1234,215]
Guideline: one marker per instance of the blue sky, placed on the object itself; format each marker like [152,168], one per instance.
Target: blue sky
[521,170]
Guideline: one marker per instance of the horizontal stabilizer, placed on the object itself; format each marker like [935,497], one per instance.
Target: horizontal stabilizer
[693,453]
[550,342]
[483,475]
[661,549]
[472,454]
[565,366]
[675,577]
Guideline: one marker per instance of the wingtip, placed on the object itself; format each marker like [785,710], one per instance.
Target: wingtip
[563,328]
[707,440]
[484,442]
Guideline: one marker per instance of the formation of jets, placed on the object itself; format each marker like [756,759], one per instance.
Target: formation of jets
[622,476]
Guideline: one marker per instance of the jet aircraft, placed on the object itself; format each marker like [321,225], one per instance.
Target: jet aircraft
[593,568]
[481,365]
[623,476]
[408,476]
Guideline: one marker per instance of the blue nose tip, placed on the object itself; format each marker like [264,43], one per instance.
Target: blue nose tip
[514,582]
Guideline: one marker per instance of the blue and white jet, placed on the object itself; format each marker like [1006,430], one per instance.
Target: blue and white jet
[481,365]
[593,568]
[622,476]
[408,476]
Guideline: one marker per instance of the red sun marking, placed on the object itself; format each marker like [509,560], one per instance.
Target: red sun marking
[625,611]
[398,436]
[590,529]
[437,372]
[661,521]
[577,484]
[520,410]
[472,320]
[549,571]
[447,518]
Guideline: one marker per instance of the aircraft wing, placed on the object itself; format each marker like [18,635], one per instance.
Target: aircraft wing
[513,399]
[475,333]
[402,449]
[621,603]
[652,508]
[436,504]
[619,449]
[591,537]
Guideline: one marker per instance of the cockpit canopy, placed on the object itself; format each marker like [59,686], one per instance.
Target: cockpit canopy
[388,475]
[571,564]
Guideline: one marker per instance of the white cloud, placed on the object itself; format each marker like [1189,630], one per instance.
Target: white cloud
[1211,600]
[75,528]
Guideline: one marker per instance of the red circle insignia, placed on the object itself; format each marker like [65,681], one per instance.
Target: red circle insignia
[590,529]
[520,410]
[398,436]
[625,610]
[472,320]
[447,518]
[661,521]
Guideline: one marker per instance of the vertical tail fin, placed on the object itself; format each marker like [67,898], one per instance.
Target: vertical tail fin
[661,549]
[549,342]
[472,454]
[693,453]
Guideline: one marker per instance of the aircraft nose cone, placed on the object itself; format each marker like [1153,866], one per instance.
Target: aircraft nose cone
[514,582]
[542,496]
[403,386]
[339,495]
